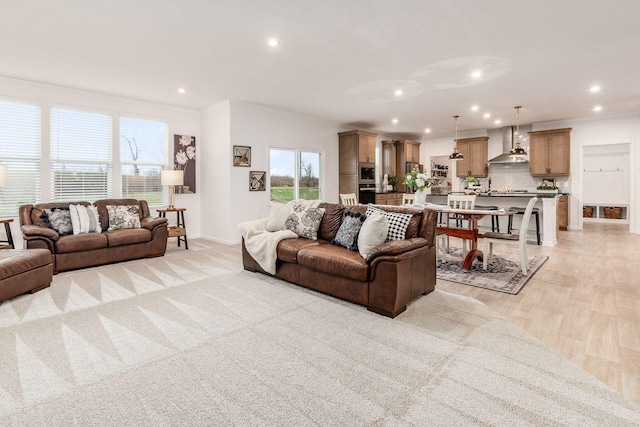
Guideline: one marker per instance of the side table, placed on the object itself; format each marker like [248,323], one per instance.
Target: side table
[180,229]
[7,228]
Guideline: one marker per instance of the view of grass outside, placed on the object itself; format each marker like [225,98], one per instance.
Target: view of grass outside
[283,175]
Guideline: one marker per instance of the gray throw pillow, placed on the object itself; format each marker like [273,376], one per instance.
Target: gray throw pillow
[58,219]
[347,234]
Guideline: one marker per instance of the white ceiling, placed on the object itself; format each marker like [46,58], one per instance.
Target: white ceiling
[340,59]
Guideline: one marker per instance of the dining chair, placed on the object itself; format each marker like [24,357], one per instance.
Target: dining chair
[512,239]
[459,201]
[408,199]
[348,199]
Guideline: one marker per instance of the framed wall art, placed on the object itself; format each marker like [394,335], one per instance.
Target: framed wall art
[184,159]
[257,180]
[241,155]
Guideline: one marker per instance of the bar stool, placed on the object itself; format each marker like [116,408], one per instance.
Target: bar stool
[520,211]
[495,224]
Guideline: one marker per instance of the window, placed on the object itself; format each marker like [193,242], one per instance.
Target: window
[294,175]
[20,152]
[143,153]
[81,159]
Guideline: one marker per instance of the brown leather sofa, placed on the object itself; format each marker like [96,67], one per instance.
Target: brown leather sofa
[86,250]
[395,274]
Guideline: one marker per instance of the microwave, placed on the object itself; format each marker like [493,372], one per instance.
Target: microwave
[367,172]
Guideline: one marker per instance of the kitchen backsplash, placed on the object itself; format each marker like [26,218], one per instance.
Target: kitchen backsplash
[517,175]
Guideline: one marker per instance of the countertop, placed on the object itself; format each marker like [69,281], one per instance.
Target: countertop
[515,194]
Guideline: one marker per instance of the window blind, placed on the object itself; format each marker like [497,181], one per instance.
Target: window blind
[143,153]
[20,142]
[81,155]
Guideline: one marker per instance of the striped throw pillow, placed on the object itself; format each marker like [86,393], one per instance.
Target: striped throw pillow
[84,219]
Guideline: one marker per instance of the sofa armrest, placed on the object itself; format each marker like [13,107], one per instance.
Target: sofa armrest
[397,247]
[151,222]
[34,232]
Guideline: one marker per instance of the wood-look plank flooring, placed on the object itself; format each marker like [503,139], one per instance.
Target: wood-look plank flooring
[584,302]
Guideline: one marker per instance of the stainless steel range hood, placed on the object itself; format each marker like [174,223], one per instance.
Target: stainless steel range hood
[507,139]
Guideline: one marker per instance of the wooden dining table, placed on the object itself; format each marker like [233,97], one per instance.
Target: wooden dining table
[471,232]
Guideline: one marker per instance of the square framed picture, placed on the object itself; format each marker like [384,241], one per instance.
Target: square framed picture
[257,180]
[241,155]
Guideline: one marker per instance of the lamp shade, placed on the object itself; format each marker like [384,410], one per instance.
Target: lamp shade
[3,175]
[172,177]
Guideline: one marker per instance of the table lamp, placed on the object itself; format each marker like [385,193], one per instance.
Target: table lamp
[172,178]
[3,175]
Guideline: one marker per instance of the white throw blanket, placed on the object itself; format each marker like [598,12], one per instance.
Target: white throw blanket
[262,244]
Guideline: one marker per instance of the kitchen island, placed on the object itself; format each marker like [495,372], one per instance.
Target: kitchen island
[547,205]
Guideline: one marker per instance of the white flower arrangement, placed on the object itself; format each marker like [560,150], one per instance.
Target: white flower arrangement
[417,180]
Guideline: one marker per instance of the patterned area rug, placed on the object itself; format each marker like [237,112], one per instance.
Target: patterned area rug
[503,273]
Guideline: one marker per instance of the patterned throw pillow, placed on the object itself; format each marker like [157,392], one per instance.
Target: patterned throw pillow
[84,219]
[123,216]
[398,222]
[347,234]
[304,221]
[58,219]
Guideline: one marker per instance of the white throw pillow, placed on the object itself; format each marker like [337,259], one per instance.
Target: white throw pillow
[278,213]
[372,233]
[123,217]
[84,219]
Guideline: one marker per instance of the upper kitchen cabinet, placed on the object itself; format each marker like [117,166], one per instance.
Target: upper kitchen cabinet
[366,146]
[475,152]
[549,152]
[354,146]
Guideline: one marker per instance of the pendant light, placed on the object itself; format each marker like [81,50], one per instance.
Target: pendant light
[456,155]
[518,151]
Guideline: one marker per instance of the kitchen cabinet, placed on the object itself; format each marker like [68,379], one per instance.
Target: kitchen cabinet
[475,152]
[549,152]
[562,211]
[389,199]
[389,158]
[406,151]
[349,146]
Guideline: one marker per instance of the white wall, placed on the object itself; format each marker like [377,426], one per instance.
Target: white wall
[260,128]
[181,121]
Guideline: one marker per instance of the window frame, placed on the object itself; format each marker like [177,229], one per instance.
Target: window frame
[297,158]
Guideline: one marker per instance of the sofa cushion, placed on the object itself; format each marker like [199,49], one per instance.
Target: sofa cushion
[80,242]
[331,221]
[17,261]
[84,219]
[58,219]
[334,260]
[347,235]
[104,214]
[304,220]
[127,237]
[123,217]
[398,222]
[372,234]
[288,248]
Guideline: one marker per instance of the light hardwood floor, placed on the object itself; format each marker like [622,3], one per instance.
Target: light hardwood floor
[584,302]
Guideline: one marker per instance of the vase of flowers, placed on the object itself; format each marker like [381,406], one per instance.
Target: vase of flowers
[419,182]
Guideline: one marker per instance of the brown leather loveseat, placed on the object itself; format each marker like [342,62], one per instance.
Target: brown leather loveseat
[396,273]
[86,250]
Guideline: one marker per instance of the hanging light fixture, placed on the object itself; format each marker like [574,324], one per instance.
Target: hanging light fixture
[517,151]
[456,155]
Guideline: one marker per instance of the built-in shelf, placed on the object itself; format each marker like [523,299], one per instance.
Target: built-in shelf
[605,212]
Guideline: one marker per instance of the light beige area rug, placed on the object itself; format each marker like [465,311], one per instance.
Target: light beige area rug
[192,339]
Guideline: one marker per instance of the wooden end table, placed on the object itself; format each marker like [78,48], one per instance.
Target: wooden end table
[180,229]
[7,228]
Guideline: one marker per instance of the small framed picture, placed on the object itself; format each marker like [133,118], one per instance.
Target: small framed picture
[257,180]
[241,155]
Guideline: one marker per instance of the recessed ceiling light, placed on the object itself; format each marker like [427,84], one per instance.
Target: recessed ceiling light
[273,42]
[398,92]
[476,74]
[427,130]
[474,108]
[486,115]
[498,122]
[394,121]
[597,108]
[594,89]
[182,90]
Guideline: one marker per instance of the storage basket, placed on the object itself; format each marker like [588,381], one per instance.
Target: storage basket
[613,213]
[587,212]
